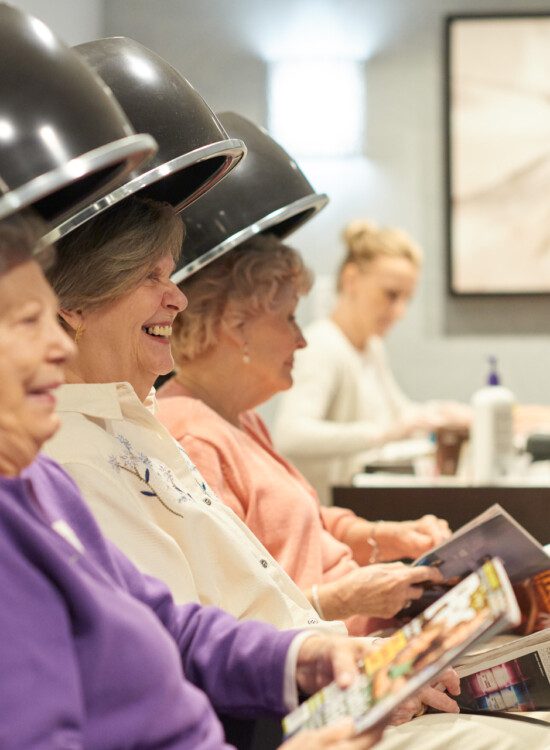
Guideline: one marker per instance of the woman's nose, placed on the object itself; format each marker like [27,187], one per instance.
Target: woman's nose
[400,308]
[175,298]
[301,343]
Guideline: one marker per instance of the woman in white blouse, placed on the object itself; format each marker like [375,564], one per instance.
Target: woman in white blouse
[345,403]
[117,301]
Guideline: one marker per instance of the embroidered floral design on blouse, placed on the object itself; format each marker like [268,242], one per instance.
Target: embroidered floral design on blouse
[197,476]
[146,471]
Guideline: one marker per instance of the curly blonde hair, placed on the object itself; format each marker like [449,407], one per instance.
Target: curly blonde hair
[365,241]
[253,275]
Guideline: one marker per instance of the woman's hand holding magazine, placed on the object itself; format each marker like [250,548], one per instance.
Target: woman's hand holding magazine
[379,590]
[320,660]
[343,736]
[430,697]
[400,667]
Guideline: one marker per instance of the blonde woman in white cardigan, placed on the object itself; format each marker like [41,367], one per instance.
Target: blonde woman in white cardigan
[345,403]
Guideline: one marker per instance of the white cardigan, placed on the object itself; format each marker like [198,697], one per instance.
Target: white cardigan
[341,405]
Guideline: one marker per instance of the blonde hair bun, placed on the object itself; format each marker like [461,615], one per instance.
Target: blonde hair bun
[360,230]
[366,240]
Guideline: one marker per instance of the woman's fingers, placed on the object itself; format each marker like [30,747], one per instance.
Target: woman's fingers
[450,681]
[425,533]
[363,741]
[434,697]
[436,527]
[439,700]
[421,573]
[344,665]
[378,590]
[323,658]
[343,730]
[340,736]
[413,592]
[406,711]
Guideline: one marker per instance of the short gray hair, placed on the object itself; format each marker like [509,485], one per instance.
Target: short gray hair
[252,274]
[112,253]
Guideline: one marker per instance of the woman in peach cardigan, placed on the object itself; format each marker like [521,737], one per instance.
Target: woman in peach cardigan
[234,349]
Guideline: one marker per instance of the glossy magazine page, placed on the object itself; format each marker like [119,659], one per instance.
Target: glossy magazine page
[494,533]
[513,677]
[478,607]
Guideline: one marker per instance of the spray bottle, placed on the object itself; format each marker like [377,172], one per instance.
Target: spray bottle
[492,430]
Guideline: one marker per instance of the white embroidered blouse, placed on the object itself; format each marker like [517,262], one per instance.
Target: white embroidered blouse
[152,502]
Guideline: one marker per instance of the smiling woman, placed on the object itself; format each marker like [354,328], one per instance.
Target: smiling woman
[35,345]
[116,296]
[44,347]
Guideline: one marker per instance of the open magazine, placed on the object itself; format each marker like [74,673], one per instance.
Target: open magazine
[477,608]
[511,677]
[494,533]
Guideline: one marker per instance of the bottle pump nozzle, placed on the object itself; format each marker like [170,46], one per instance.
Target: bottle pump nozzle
[494,377]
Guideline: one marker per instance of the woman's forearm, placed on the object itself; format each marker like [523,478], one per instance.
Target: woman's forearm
[363,538]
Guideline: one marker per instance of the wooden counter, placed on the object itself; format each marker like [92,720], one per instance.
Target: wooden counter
[530,506]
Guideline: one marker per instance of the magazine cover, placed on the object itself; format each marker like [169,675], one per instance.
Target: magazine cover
[494,533]
[513,677]
[479,606]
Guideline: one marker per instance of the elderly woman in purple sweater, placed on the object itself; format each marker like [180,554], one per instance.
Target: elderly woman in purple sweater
[94,654]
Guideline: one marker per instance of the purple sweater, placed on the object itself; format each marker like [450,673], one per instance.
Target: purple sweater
[94,654]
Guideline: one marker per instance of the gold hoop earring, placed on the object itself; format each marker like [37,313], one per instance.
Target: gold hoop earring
[78,333]
[246,355]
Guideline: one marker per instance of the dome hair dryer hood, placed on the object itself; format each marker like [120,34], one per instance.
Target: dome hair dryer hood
[195,152]
[64,139]
[266,193]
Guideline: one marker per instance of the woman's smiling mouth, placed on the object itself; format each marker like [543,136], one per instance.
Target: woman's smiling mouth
[44,396]
[161,332]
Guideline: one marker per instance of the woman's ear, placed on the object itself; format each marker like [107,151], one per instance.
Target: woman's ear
[73,318]
[348,279]
[233,325]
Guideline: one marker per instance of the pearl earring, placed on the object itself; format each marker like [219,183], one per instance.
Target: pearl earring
[246,355]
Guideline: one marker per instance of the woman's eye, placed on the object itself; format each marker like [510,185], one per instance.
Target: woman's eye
[30,318]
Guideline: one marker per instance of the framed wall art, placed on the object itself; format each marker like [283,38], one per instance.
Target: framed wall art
[498,154]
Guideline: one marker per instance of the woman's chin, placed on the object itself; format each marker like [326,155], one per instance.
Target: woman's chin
[161,366]
[286,382]
[45,428]
[383,328]
[160,371]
